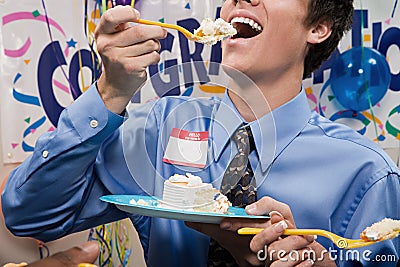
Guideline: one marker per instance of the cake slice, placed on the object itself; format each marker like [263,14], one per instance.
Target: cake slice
[188,192]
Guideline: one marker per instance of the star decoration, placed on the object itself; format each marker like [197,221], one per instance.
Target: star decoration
[72,43]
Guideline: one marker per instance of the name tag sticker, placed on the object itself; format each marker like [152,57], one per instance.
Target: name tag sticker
[187,148]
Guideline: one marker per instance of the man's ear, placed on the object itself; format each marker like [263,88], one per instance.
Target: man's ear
[319,33]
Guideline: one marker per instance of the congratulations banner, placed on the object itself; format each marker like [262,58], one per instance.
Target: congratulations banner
[48,59]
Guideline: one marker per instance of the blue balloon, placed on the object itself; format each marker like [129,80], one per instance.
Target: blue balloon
[360,77]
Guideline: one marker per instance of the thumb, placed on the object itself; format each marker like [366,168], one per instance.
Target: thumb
[85,253]
[266,205]
[260,207]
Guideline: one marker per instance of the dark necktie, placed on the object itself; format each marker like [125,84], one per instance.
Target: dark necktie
[240,188]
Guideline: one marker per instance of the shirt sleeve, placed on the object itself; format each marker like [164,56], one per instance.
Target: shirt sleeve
[45,195]
[379,200]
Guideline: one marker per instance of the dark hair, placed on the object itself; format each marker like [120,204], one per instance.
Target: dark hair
[339,14]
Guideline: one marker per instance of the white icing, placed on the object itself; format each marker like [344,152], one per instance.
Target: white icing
[381,229]
[211,32]
[178,178]
[193,180]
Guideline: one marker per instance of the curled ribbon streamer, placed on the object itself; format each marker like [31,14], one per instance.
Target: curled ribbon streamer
[377,121]
[23,98]
[103,235]
[33,126]
[350,114]
[26,16]
[31,100]
[29,15]
[392,130]
[326,85]
[19,52]
[122,241]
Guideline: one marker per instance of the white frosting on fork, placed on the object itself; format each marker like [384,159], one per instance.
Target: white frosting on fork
[381,229]
[211,32]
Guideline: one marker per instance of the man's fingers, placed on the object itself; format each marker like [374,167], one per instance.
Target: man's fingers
[298,258]
[138,34]
[268,235]
[112,19]
[266,205]
[233,224]
[290,244]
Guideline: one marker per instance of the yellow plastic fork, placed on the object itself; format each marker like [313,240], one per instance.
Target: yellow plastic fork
[185,32]
[340,242]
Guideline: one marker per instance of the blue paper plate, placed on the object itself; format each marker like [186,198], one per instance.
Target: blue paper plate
[155,210]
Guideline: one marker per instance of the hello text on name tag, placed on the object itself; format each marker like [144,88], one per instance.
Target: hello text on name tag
[187,148]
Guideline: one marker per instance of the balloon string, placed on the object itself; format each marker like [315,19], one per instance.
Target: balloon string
[366,82]
[394,8]
[79,52]
[52,41]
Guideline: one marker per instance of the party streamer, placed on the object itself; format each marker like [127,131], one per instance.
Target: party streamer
[103,235]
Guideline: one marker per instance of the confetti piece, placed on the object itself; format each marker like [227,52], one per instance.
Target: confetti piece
[28,120]
[212,89]
[309,91]
[188,91]
[187,6]
[27,61]
[72,43]
[331,97]
[14,145]
[36,13]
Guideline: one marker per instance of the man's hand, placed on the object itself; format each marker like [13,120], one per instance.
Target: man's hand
[250,251]
[85,253]
[126,52]
[299,251]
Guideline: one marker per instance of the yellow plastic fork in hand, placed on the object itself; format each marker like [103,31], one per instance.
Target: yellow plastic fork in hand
[190,36]
[340,242]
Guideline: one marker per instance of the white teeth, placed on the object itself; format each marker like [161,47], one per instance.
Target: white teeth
[247,21]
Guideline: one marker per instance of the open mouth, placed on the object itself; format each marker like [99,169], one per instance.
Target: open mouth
[245,27]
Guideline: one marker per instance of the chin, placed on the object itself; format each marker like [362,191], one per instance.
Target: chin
[234,66]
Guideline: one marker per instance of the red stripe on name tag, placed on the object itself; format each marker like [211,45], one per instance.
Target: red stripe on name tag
[192,136]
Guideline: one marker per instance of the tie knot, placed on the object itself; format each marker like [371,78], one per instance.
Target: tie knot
[244,140]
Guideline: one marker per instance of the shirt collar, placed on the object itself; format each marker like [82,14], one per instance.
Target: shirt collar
[272,132]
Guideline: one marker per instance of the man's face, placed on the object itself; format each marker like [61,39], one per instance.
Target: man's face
[275,46]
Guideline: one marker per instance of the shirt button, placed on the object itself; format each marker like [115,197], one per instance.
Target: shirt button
[94,123]
[45,154]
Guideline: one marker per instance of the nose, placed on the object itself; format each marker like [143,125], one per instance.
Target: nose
[252,2]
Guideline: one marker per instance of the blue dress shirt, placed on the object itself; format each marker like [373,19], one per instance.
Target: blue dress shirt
[330,176]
